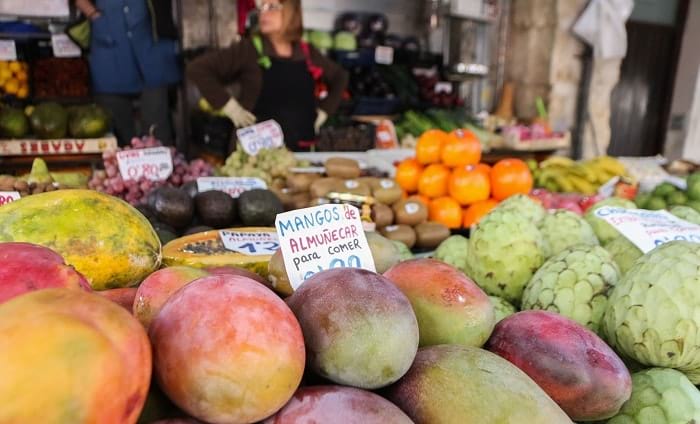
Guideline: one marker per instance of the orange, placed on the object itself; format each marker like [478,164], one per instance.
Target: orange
[447,211]
[433,181]
[474,213]
[469,185]
[429,146]
[407,174]
[485,168]
[461,148]
[424,200]
[510,177]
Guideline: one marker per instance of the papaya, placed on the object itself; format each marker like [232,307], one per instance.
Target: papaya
[102,237]
[205,250]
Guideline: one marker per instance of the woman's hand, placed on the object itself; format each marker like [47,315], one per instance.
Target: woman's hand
[321,118]
[238,114]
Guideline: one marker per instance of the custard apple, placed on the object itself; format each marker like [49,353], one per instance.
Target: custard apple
[686,213]
[604,231]
[501,308]
[660,395]
[524,205]
[563,229]
[505,250]
[652,314]
[624,253]
[575,283]
[404,252]
[453,251]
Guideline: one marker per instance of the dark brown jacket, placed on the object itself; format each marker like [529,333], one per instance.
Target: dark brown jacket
[239,62]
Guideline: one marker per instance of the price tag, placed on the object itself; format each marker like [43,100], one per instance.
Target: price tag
[8,50]
[320,238]
[384,55]
[63,46]
[251,244]
[265,135]
[154,164]
[649,229]
[8,197]
[233,186]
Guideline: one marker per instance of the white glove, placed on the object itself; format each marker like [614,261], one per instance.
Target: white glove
[236,113]
[321,118]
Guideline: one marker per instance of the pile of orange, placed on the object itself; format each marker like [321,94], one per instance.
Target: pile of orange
[14,78]
[447,175]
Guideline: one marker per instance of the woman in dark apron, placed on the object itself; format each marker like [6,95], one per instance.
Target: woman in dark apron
[277,73]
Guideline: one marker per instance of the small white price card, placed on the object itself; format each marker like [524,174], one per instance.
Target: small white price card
[649,229]
[8,50]
[384,55]
[232,186]
[320,238]
[63,46]
[251,244]
[265,135]
[155,164]
[8,197]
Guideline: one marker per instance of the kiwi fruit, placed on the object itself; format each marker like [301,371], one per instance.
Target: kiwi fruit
[370,181]
[322,186]
[402,233]
[382,215]
[429,235]
[342,168]
[352,187]
[299,183]
[386,191]
[410,212]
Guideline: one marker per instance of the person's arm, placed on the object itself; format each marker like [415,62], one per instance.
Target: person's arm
[336,79]
[88,9]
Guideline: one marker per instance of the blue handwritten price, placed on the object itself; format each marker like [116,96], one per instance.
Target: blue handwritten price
[353,261]
[251,244]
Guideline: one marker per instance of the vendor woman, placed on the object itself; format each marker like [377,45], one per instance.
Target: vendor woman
[277,72]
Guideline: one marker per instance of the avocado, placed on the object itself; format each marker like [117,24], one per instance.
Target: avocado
[259,207]
[146,211]
[49,120]
[191,189]
[215,209]
[172,206]
[13,123]
[88,121]
[165,232]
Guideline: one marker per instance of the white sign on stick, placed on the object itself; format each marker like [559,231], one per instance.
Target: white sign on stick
[7,197]
[233,186]
[155,164]
[265,135]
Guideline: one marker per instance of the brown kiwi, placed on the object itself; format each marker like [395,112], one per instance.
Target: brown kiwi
[382,215]
[323,186]
[429,235]
[299,183]
[342,168]
[386,191]
[300,200]
[370,181]
[352,187]
[410,212]
[402,233]
[286,197]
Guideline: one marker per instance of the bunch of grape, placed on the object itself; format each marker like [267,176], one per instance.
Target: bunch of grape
[110,181]
[268,165]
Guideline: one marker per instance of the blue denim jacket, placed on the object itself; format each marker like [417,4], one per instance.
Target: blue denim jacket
[124,57]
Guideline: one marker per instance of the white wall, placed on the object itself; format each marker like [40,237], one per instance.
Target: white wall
[402,14]
[685,107]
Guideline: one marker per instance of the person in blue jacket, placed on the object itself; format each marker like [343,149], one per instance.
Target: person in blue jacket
[133,55]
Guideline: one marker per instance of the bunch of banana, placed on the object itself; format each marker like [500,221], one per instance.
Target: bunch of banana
[564,175]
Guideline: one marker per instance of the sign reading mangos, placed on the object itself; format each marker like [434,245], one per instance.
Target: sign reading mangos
[233,186]
[7,197]
[320,238]
[649,229]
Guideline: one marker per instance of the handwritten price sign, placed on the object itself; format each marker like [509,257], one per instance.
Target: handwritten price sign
[155,164]
[320,238]
[649,229]
[251,244]
[233,186]
[265,135]
[8,197]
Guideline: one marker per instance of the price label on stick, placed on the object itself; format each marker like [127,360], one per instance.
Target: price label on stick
[320,238]
[265,135]
[155,164]
[649,229]
[8,197]
[8,50]
[233,186]
[64,47]
[252,244]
